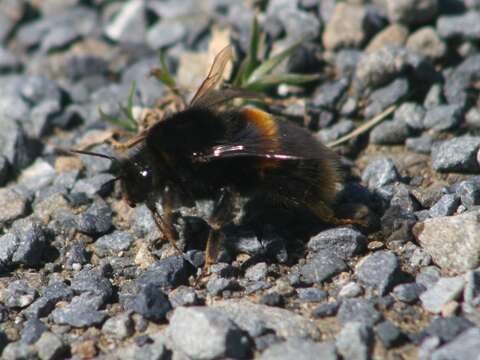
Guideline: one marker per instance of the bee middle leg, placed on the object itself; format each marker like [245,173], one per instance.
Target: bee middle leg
[324,213]
[222,214]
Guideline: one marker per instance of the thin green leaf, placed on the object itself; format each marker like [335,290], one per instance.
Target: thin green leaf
[250,62]
[266,67]
[131,95]
[122,123]
[277,79]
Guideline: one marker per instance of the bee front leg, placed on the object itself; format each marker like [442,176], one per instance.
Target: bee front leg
[222,214]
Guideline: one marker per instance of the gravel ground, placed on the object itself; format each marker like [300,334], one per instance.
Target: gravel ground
[80,277]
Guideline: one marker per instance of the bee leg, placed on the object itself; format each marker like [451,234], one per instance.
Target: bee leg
[222,213]
[165,225]
[324,213]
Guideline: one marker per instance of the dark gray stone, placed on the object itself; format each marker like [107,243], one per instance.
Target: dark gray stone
[39,308]
[151,302]
[336,131]
[301,349]
[392,132]
[408,293]
[119,327]
[183,296]
[167,273]
[360,310]
[380,271]
[457,155]
[50,347]
[326,310]
[311,294]
[81,312]
[355,341]
[32,330]
[216,285]
[32,242]
[458,82]
[165,33]
[464,26]
[206,333]
[97,220]
[77,254]
[443,117]
[95,185]
[19,294]
[469,193]
[343,242]
[385,96]
[428,276]
[93,283]
[380,172]
[465,346]
[327,95]
[411,12]
[4,170]
[113,243]
[446,206]
[322,267]
[448,328]
[15,145]
[389,334]
[58,291]
[412,114]
[273,299]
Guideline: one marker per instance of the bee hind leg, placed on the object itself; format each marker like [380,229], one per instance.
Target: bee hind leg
[325,213]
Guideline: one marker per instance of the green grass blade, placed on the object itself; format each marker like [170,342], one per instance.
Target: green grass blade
[277,79]
[122,123]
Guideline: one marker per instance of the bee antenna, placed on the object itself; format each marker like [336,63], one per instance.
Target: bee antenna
[93,154]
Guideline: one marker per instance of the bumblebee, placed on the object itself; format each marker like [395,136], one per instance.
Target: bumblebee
[204,152]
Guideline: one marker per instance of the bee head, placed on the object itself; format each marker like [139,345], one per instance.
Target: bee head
[135,174]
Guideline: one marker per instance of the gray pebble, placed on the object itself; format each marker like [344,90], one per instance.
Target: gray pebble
[463,347]
[13,205]
[389,334]
[445,290]
[18,350]
[443,117]
[465,26]
[119,327]
[355,341]
[427,42]
[151,303]
[50,347]
[94,185]
[32,242]
[300,349]
[457,155]
[216,285]
[471,292]
[391,132]
[113,243]
[93,283]
[183,296]
[350,290]
[412,114]
[380,271]
[165,33]
[446,206]
[321,267]
[8,61]
[343,242]
[206,333]
[448,328]
[41,307]
[385,96]
[81,312]
[326,310]
[360,310]
[311,295]
[469,193]
[32,330]
[129,25]
[408,293]
[412,12]
[167,273]
[97,220]
[380,172]
[257,272]
[428,276]
[59,38]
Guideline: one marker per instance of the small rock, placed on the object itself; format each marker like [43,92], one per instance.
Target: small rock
[300,349]
[394,34]
[257,272]
[408,293]
[273,299]
[447,329]
[151,303]
[8,61]
[60,38]
[350,290]
[428,276]
[380,172]
[93,283]
[19,294]
[389,334]
[411,12]
[453,241]
[427,42]
[358,310]
[412,114]
[464,26]
[343,242]
[50,347]
[39,308]
[97,220]
[183,296]
[94,185]
[458,82]
[18,350]
[457,155]
[129,25]
[206,333]
[464,346]
[113,243]
[311,295]
[446,206]
[167,273]
[472,287]
[355,341]
[321,267]
[469,193]
[443,117]
[392,132]
[32,330]
[13,205]
[421,145]
[445,290]
[348,27]
[4,170]
[379,271]
[326,310]
[118,327]
[165,33]
[81,312]
[385,96]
